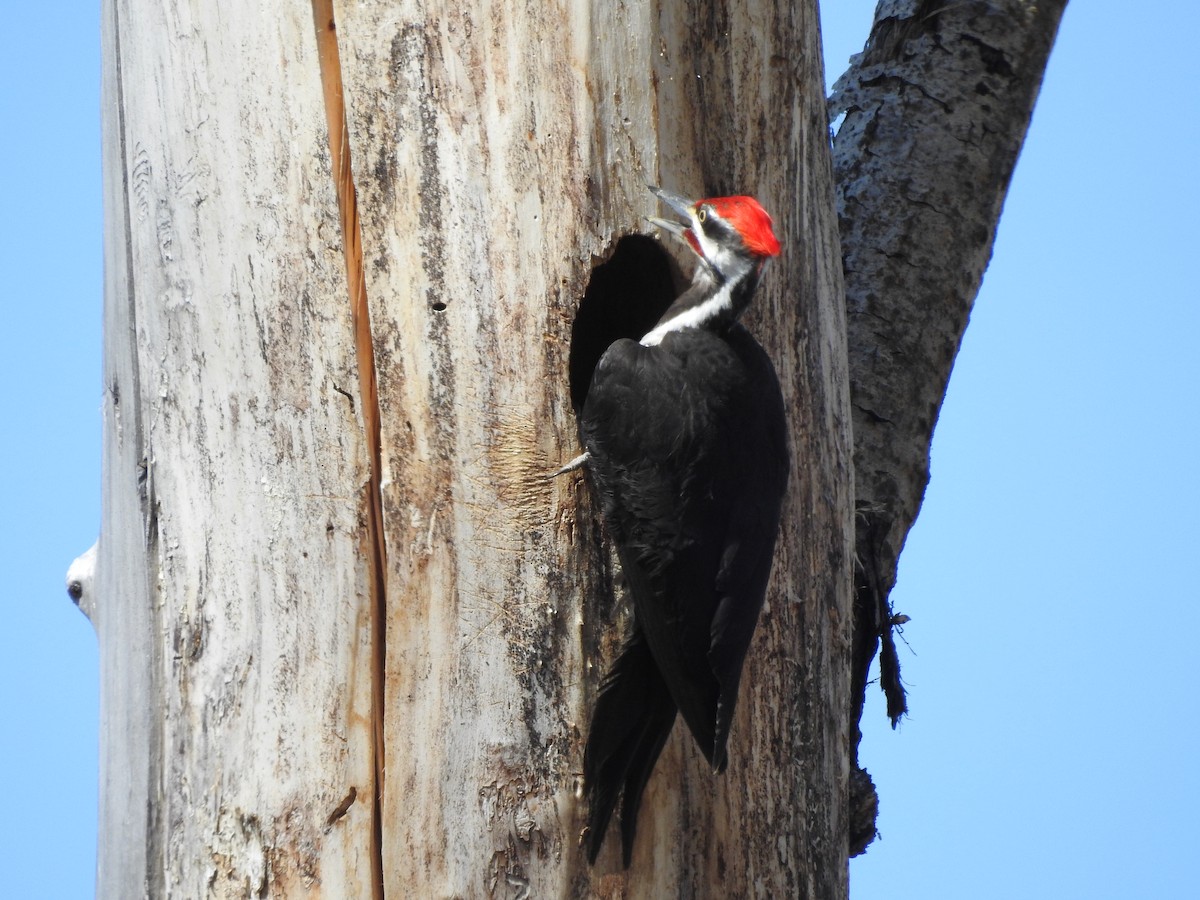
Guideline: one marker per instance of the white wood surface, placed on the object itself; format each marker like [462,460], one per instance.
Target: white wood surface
[234,625]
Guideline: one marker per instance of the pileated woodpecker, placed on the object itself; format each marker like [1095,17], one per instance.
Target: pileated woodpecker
[685,442]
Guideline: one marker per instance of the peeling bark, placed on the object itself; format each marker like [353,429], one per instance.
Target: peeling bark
[936,109]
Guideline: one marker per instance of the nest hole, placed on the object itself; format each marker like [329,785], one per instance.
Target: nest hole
[625,297]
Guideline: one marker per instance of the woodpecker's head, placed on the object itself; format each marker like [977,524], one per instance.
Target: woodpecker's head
[732,236]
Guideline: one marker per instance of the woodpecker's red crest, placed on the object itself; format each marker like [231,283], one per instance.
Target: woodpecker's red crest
[720,226]
[750,220]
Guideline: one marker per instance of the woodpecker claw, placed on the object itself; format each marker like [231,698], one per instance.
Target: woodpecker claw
[577,463]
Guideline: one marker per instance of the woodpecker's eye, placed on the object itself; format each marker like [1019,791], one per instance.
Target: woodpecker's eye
[701,215]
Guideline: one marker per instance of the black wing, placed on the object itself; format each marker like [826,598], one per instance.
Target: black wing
[688,454]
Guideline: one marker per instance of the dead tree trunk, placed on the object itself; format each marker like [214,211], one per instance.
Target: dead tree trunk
[349,631]
[234,612]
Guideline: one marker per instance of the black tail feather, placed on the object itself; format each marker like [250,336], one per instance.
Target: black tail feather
[632,720]
[660,720]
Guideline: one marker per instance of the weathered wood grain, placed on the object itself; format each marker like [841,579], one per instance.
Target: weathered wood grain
[234,625]
[499,151]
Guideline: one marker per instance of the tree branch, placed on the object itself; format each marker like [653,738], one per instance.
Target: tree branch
[936,109]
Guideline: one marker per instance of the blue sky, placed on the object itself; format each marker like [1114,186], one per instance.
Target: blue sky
[1052,750]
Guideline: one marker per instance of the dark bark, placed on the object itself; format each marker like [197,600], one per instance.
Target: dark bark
[937,106]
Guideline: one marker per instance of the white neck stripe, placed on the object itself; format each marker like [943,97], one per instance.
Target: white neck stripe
[718,303]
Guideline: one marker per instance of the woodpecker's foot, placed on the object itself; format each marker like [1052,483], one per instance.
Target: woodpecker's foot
[577,463]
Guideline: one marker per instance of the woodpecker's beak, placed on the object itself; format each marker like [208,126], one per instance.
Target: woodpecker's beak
[681,205]
[685,208]
[675,228]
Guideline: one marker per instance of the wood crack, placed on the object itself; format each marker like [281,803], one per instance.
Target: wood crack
[376,548]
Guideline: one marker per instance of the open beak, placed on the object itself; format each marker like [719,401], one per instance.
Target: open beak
[683,207]
[667,225]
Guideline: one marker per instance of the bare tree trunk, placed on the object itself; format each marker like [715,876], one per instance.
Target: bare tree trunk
[233,616]
[936,107]
[349,631]
[497,156]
